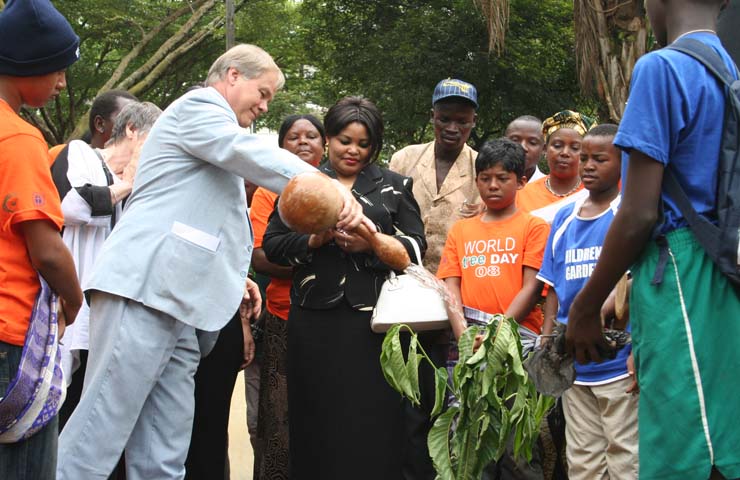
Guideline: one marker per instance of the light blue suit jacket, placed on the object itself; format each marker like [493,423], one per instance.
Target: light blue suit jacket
[184,242]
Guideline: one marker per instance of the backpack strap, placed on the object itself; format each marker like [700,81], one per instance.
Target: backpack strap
[706,233]
[705,55]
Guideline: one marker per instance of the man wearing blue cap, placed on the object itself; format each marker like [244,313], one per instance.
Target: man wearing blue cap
[443,170]
[444,186]
[37,44]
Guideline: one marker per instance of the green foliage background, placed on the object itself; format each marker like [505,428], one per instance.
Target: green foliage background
[392,52]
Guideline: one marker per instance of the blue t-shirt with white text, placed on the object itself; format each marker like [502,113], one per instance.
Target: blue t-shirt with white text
[573,248]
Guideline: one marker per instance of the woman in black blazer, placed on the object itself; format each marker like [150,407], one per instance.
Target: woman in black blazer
[345,420]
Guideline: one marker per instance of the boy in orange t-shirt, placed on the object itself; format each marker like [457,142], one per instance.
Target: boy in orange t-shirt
[490,262]
[31,72]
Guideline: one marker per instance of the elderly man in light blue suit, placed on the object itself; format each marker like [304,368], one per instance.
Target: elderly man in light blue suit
[176,263]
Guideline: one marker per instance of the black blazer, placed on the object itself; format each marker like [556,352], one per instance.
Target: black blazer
[324,276]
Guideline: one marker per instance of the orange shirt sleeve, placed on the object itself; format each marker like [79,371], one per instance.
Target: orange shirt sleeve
[449,265]
[535,242]
[54,152]
[263,203]
[27,191]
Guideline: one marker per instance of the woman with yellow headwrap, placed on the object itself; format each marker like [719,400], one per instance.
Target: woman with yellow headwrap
[563,136]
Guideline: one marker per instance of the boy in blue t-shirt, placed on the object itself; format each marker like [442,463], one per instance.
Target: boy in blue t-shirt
[685,314]
[601,417]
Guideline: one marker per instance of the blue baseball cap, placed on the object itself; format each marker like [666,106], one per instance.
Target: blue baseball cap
[452,87]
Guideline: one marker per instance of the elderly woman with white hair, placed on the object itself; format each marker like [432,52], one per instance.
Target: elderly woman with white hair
[100,180]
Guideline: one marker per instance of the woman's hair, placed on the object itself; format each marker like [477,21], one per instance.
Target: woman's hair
[510,155]
[356,109]
[139,115]
[291,119]
[250,60]
[603,130]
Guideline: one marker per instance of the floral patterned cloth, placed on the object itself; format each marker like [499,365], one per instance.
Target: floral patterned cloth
[35,395]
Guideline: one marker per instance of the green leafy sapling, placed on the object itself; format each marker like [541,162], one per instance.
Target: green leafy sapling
[496,398]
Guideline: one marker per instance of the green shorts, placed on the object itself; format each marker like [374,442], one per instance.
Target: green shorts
[686,334]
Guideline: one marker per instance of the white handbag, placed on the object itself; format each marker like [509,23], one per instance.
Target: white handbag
[404,299]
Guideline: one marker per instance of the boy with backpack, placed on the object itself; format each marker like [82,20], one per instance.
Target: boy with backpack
[684,312]
[601,417]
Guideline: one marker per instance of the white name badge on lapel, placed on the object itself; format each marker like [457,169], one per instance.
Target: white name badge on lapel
[198,237]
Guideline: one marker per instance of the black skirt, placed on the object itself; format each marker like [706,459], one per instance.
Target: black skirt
[345,420]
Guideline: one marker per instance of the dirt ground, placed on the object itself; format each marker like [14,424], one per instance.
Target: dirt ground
[240,450]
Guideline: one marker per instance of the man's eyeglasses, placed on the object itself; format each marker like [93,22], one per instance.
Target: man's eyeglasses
[445,122]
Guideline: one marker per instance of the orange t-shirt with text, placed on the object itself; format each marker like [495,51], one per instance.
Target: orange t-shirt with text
[278,291]
[536,195]
[489,258]
[27,193]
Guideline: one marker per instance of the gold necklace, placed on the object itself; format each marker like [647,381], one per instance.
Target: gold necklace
[560,195]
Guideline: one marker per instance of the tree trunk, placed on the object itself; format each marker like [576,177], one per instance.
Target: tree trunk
[163,54]
[162,66]
[496,13]
[610,36]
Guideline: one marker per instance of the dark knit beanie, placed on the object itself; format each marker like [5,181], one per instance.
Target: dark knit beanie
[35,39]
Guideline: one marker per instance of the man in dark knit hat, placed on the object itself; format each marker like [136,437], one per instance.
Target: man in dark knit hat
[37,44]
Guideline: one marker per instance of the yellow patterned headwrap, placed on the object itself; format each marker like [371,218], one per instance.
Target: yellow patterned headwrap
[567,119]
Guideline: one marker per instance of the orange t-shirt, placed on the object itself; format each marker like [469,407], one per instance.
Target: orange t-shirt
[536,195]
[278,291]
[27,193]
[489,258]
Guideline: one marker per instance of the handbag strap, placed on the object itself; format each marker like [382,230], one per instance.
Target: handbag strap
[415,246]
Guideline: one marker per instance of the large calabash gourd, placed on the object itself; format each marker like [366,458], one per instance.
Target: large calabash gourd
[310,203]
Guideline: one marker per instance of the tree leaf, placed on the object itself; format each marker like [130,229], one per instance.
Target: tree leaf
[400,371]
[438,442]
[504,433]
[466,459]
[440,386]
[393,364]
[499,345]
[466,342]
[515,349]
[412,370]
[386,355]
[488,445]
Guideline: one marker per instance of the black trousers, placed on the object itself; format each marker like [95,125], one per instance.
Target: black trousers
[214,384]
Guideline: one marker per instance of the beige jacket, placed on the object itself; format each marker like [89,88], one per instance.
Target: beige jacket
[439,210]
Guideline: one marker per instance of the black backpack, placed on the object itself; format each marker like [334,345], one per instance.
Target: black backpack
[721,241]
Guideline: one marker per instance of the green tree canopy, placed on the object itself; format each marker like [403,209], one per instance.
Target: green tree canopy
[394,52]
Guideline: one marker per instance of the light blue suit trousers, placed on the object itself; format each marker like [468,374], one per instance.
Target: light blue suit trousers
[137,395]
